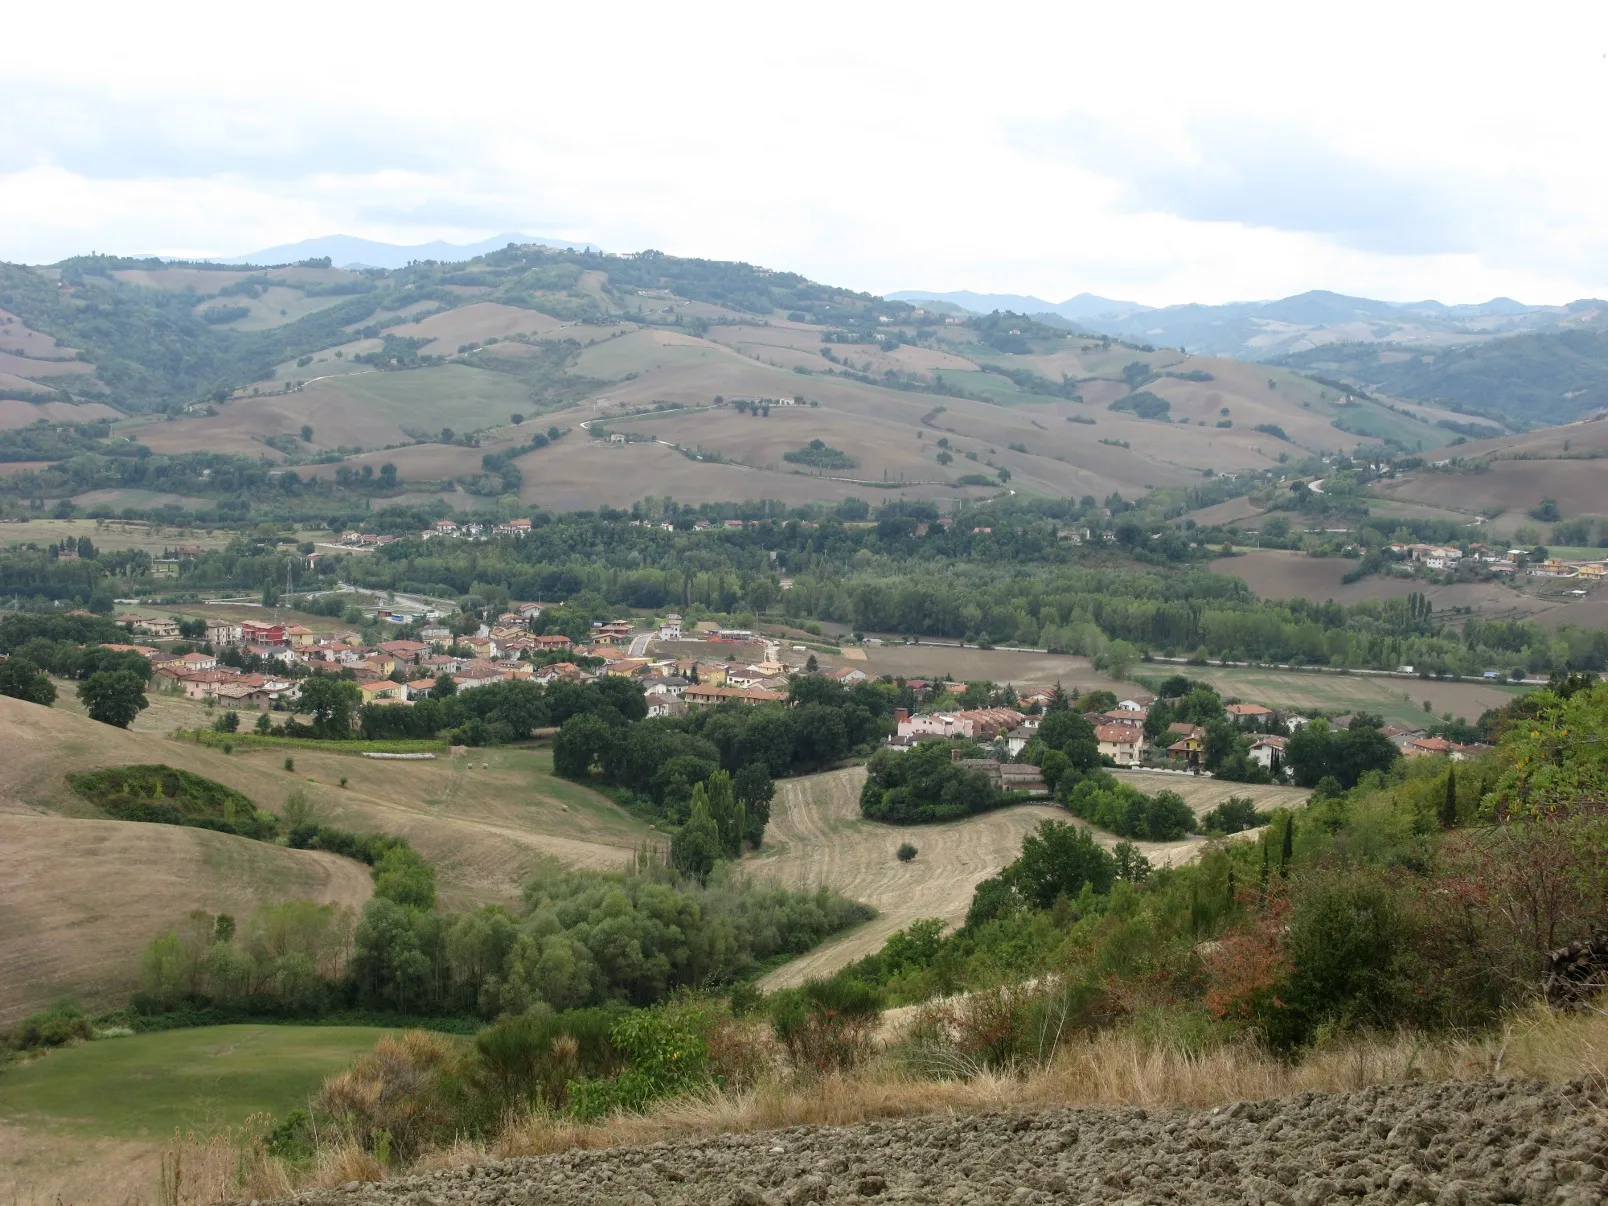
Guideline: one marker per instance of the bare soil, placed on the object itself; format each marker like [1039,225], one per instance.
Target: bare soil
[1454,1143]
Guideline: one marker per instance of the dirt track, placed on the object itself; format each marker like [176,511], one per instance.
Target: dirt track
[818,837]
[1458,1143]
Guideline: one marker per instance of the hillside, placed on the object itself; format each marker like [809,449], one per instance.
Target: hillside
[1264,330]
[1528,380]
[485,824]
[232,376]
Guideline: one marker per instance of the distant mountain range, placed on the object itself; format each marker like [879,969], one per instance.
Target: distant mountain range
[1266,330]
[348,251]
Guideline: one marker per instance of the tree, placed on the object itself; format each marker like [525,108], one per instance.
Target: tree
[21,679]
[1058,859]
[307,433]
[114,697]
[1448,808]
[1287,847]
[696,847]
[229,722]
[332,702]
[754,789]
[726,810]
[1118,659]
[445,687]
[1068,732]
[1058,701]
[811,666]
[906,852]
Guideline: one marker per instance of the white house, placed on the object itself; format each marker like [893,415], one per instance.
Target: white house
[1120,742]
[670,628]
[1263,749]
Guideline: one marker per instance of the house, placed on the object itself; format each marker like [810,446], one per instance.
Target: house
[556,642]
[199,661]
[156,627]
[568,671]
[1248,714]
[514,527]
[982,724]
[701,696]
[529,611]
[223,632]
[383,691]
[1264,750]
[1188,749]
[419,688]
[1016,739]
[1122,716]
[664,705]
[711,674]
[848,675]
[670,628]
[1008,776]
[480,646]
[672,686]
[254,632]
[436,636]
[405,651]
[615,632]
[1120,742]
[298,637]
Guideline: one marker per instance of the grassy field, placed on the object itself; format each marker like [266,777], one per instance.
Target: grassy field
[146,1086]
[80,896]
[448,395]
[110,534]
[1398,700]
[817,836]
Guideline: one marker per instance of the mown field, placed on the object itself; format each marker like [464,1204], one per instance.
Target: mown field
[80,896]
[1399,700]
[88,1125]
[817,836]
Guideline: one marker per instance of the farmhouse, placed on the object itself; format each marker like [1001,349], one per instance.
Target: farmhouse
[1265,749]
[1120,742]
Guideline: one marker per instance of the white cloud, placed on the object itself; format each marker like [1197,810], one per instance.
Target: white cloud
[1168,153]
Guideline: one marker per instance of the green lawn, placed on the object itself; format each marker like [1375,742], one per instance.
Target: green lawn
[149,1085]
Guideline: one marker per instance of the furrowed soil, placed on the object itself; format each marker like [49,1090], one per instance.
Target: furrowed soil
[1480,1141]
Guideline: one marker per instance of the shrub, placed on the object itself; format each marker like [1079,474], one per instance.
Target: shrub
[163,795]
[906,852]
[402,1095]
[827,1025]
[1234,815]
[57,1026]
[290,763]
[667,1055]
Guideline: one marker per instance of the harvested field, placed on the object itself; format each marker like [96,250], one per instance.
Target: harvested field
[20,366]
[79,899]
[139,500]
[475,323]
[582,474]
[817,836]
[993,665]
[1514,486]
[1283,574]
[1399,699]
[1204,794]
[485,821]
[111,534]
[1484,1141]
[418,462]
[16,413]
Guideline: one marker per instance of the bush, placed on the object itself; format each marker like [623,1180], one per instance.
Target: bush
[57,1026]
[1234,815]
[827,1025]
[906,852]
[163,795]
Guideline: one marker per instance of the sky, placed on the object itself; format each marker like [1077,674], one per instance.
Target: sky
[1160,153]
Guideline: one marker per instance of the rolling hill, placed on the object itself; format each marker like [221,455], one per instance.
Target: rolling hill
[308,367]
[80,895]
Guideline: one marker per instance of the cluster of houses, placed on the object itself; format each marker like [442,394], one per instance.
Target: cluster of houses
[451,529]
[1499,561]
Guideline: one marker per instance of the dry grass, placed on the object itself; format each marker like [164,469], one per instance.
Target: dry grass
[1115,1068]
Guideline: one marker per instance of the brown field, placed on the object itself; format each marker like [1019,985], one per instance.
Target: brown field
[7,468]
[418,462]
[1235,510]
[1588,435]
[18,337]
[204,282]
[475,323]
[1579,486]
[23,367]
[816,836]
[1282,574]
[581,473]
[80,898]
[14,412]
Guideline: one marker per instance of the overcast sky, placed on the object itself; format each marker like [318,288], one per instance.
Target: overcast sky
[1158,152]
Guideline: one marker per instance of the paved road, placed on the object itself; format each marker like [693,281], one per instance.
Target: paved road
[639,644]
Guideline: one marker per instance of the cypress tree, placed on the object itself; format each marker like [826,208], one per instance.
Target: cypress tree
[696,847]
[1287,849]
[1448,808]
